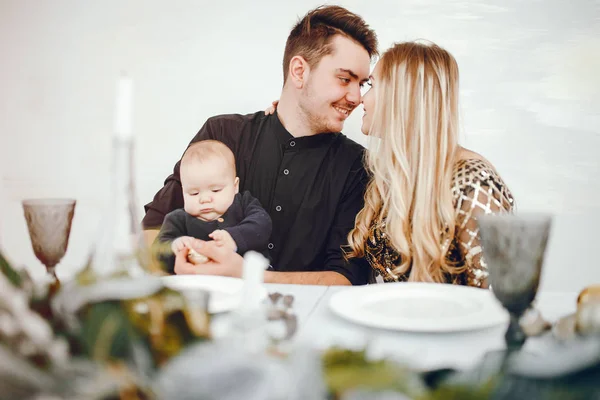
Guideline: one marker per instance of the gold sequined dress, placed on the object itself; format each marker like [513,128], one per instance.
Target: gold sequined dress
[476,189]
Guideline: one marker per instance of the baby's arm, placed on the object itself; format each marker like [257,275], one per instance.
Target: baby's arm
[172,232]
[254,231]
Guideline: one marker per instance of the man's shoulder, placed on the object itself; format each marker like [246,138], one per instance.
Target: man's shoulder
[349,146]
[236,119]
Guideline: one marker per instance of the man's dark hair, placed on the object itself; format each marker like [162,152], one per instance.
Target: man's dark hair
[311,37]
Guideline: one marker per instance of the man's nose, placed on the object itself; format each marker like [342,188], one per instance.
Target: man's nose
[353,96]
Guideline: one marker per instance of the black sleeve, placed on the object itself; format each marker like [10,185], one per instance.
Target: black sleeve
[361,271]
[254,231]
[172,228]
[350,204]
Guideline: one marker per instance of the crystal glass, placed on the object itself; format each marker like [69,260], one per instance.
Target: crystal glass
[49,224]
[514,247]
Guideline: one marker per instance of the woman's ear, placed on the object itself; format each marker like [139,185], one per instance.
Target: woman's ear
[298,71]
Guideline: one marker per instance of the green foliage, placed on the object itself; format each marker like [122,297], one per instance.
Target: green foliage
[347,369]
[9,272]
[107,334]
[451,392]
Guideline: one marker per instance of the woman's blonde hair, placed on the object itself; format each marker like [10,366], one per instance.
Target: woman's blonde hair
[416,121]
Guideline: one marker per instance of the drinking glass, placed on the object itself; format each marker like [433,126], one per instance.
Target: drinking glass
[514,247]
[49,225]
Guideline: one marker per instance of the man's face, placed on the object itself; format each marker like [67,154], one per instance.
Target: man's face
[332,89]
[208,187]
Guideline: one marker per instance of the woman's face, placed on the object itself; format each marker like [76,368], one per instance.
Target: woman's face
[368,101]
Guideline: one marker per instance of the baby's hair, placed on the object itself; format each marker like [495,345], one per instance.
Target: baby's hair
[208,149]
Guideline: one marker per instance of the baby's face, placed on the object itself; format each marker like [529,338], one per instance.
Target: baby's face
[208,187]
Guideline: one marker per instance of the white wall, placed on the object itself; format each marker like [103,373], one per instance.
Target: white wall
[530,86]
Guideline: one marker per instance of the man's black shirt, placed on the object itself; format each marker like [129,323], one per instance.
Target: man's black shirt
[311,186]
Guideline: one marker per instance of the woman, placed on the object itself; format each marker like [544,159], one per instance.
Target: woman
[426,191]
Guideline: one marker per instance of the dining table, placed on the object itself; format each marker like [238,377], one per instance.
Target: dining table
[320,328]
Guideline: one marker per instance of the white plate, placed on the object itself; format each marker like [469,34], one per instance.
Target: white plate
[419,307]
[225,292]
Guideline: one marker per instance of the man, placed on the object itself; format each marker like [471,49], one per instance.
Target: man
[307,175]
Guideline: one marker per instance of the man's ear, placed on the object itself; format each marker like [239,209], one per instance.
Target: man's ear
[236,185]
[298,71]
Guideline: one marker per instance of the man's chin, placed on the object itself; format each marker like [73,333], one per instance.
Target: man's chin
[336,126]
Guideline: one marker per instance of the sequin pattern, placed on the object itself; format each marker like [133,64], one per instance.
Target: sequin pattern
[476,189]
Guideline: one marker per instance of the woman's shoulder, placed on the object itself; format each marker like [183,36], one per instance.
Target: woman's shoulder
[471,170]
[473,175]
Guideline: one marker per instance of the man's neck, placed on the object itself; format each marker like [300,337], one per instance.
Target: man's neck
[291,118]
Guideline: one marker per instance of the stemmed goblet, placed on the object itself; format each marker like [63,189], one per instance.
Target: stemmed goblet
[49,225]
[513,248]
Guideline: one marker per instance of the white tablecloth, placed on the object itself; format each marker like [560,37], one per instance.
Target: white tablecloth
[320,328]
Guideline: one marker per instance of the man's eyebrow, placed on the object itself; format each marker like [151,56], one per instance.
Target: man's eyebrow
[349,72]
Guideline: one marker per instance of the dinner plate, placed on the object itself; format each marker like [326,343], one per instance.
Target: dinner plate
[419,307]
[225,292]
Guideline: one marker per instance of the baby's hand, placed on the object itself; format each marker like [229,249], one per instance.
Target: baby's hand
[180,243]
[224,239]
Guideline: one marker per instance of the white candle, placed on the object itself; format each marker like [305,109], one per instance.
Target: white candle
[124,108]
[253,274]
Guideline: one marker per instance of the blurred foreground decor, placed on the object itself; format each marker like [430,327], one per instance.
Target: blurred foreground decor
[123,338]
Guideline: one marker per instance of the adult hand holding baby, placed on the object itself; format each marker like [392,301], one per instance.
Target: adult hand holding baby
[181,242]
[183,249]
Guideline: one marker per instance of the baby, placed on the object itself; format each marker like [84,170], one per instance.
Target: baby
[213,207]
